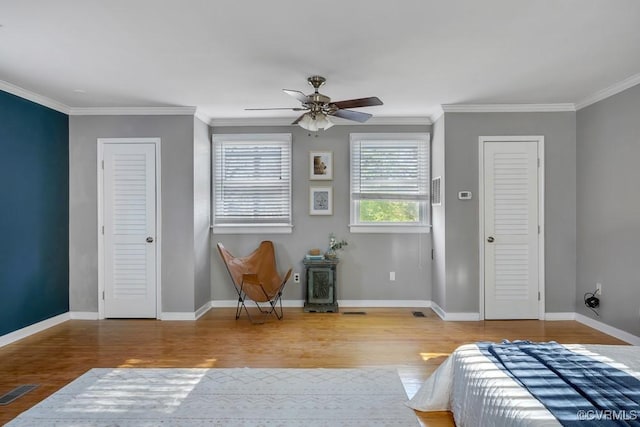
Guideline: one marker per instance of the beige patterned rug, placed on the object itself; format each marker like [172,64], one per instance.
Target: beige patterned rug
[226,397]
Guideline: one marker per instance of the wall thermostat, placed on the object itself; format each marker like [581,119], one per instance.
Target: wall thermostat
[464,195]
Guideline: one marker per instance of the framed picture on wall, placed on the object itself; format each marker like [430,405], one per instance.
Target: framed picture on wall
[321,201]
[321,165]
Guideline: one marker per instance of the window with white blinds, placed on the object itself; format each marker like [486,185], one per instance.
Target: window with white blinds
[252,183]
[389,183]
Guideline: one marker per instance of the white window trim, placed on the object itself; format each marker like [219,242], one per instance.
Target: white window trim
[386,228]
[417,228]
[250,228]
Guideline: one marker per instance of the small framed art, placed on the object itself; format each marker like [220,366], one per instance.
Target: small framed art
[320,201]
[321,165]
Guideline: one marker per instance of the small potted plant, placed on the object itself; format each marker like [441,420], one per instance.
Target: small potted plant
[334,246]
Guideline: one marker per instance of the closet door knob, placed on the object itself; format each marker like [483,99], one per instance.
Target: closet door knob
[490,239]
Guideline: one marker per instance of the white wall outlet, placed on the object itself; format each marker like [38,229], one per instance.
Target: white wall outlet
[599,289]
[392,276]
[296,277]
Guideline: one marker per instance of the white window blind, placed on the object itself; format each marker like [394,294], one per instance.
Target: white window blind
[389,180]
[252,182]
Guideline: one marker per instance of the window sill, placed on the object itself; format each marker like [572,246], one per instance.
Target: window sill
[412,229]
[252,229]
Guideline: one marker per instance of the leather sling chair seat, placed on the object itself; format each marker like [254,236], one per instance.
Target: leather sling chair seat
[256,278]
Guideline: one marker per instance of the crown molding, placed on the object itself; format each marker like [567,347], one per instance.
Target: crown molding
[256,121]
[133,111]
[286,121]
[281,121]
[435,116]
[609,91]
[204,117]
[94,111]
[407,121]
[34,97]
[507,108]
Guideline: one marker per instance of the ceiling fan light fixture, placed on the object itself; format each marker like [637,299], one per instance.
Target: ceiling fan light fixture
[315,122]
[307,123]
[319,107]
[323,122]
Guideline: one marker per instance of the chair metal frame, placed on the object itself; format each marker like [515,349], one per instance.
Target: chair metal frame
[254,285]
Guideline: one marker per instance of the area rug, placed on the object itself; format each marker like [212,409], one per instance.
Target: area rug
[226,397]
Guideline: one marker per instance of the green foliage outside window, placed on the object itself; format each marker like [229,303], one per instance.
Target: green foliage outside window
[389,211]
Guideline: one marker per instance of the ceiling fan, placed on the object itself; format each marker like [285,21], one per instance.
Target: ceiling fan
[317,107]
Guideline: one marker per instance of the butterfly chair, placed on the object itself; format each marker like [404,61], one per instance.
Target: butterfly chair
[256,278]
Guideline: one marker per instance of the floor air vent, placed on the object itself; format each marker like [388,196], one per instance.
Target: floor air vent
[354,312]
[418,314]
[17,392]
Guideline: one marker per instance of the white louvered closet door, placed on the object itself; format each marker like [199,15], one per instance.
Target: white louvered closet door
[511,230]
[129,231]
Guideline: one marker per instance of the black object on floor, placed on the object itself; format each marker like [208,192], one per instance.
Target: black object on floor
[418,314]
[354,312]
[17,392]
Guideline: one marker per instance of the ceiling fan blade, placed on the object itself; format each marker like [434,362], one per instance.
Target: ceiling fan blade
[360,102]
[297,95]
[283,108]
[298,119]
[353,115]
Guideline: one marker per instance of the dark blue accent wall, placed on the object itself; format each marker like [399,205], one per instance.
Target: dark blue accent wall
[34,213]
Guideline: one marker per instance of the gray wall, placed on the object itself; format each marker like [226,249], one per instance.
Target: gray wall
[438,278]
[201,212]
[177,152]
[608,208]
[363,273]
[461,165]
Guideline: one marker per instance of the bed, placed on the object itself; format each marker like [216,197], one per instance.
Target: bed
[481,389]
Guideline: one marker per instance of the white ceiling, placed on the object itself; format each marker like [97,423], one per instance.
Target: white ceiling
[226,55]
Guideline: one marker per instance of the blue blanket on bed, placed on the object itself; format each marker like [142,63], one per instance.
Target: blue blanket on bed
[576,389]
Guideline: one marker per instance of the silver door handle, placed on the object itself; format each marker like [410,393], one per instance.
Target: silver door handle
[149,239]
[490,239]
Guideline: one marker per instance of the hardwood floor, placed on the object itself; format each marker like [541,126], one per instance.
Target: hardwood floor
[382,337]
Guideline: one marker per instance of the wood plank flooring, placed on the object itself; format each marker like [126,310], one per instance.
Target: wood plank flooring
[382,337]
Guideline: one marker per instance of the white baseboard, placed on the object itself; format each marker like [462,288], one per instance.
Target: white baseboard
[609,330]
[341,303]
[439,311]
[33,329]
[378,303]
[454,317]
[78,315]
[470,317]
[202,310]
[187,315]
[556,316]
[559,316]
[462,317]
[224,303]
[291,303]
[177,315]
[83,315]
[89,315]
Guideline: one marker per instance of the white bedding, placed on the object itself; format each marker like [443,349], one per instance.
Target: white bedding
[481,394]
